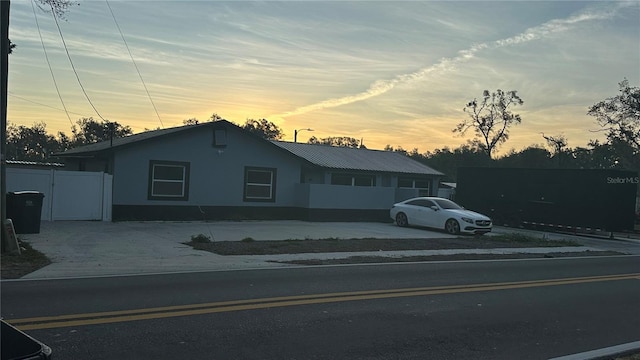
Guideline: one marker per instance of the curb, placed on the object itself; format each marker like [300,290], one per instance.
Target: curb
[605,353]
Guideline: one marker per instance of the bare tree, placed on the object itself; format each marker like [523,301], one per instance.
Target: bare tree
[58,7]
[491,118]
[557,143]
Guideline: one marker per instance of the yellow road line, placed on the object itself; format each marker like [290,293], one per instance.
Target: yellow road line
[264,303]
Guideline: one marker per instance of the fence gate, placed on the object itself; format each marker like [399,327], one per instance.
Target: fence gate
[68,195]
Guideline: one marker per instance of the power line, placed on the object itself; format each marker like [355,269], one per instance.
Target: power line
[49,106]
[70,112]
[55,83]
[53,13]
[134,64]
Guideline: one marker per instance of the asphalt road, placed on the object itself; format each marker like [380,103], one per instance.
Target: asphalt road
[534,309]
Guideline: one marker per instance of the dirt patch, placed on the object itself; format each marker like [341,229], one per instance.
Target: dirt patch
[252,247]
[515,241]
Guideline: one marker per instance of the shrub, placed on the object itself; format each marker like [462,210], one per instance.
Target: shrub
[200,239]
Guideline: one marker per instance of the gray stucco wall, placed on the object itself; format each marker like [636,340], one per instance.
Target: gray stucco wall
[216,174]
[88,164]
[350,197]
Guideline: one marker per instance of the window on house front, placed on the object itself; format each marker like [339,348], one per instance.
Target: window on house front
[168,180]
[259,184]
[341,179]
[353,179]
[423,185]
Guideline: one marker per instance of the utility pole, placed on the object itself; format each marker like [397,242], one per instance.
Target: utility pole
[58,7]
[4,85]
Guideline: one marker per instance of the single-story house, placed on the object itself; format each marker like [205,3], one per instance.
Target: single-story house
[217,170]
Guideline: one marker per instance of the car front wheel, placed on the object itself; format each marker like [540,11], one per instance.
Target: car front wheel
[452,227]
[401,220]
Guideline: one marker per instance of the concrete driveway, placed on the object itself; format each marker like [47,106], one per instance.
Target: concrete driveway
[93,248]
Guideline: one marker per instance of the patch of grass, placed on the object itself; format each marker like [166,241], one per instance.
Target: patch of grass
[200,239]
[14,266]
[630,357]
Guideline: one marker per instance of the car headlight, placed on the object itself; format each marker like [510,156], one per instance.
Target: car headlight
[466,219]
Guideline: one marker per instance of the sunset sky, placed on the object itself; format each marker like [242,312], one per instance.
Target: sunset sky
[389,73]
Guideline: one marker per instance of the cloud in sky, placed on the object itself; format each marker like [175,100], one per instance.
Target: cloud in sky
[380,87]
[393,72]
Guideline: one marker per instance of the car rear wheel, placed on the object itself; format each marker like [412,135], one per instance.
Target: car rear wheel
[452,227]
[401,220]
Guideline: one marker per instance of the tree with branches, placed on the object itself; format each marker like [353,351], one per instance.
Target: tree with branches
[557,143]
[194,121]
[191,121]
[263,128]
[491,118]
[339,141]
[619,116]
[89,131]
[31,143]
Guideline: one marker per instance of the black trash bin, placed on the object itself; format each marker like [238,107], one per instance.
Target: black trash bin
[24,208]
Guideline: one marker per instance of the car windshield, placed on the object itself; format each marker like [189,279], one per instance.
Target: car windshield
[447,204]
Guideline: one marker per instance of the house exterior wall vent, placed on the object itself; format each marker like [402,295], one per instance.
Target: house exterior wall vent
[220,137]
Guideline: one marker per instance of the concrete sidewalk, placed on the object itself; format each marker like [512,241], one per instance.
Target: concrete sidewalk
[91,248]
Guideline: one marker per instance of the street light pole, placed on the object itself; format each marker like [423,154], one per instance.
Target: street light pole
[295,134]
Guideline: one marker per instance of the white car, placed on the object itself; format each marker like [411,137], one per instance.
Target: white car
[439,213]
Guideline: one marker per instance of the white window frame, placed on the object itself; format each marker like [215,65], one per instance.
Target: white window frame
[184,189]
[271,185]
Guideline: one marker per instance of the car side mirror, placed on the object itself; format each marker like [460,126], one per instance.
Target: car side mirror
[434,208]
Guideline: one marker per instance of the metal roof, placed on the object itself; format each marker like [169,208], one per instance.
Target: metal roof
[320,155]
[356,159]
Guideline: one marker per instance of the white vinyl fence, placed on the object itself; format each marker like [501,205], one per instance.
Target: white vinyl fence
[68,195]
